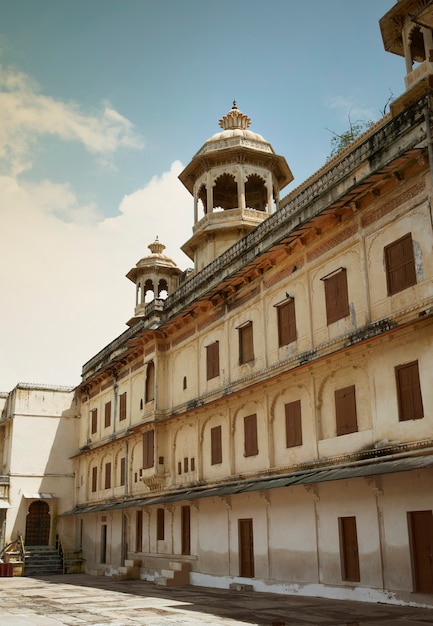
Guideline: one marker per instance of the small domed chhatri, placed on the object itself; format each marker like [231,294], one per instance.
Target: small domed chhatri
[155,277]
[235,179]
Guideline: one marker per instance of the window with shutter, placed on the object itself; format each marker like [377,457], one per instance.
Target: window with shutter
[336,295]
[122,406]
[212,360]
[160,524]
[107,415]
[400,265]
[139,531]
[250,431]
[293,424]
[94,421]
[246,346]
[345,411]
[148,449]
[216,455]
[150,382]
[410,406]
[286,322]
[107,475]
[94,479]
[122,470]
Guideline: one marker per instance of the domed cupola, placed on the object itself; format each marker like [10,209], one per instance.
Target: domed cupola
[155,277]
[235,179]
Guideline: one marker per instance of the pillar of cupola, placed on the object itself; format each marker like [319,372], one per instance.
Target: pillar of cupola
[155,276]
[235,180]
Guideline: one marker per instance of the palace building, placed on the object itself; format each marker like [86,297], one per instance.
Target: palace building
[267,418]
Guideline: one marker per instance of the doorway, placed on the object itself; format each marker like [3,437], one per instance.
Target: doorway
[421,541]
[246,548]
[186,529]
[349,549]
[38,524]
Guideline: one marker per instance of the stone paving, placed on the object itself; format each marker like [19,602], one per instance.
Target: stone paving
[79,599]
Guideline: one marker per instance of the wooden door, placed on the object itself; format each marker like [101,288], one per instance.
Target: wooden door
[38,524]
[421,534]
[246,548]
[186,529]
[349,549]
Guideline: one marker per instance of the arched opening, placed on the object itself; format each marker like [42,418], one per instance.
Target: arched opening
[162,289]
[225,193]
[150,382]
[202,197]
[149,293]
[38,524]
[256,195]
[416,44]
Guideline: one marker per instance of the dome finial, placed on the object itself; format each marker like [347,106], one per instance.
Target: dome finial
[235,119]
[235,106]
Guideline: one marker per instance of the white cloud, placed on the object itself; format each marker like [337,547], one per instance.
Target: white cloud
[27,115]
[351,109]
[62,276]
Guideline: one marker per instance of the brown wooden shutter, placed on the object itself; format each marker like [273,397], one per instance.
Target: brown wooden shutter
[216,455]
[293,424]
[150,382]
[122,470]
[139,531]
[400,265]
[212,360]
[409,396]
[246,343]
[107,415]
[148,448]
[107,475]
[336,296]
[122,406]
[345,410]
[94,421]
[250,430]
[349,549]
[160,524]
[246,548]
[94,479]
[286,323]
[186,529]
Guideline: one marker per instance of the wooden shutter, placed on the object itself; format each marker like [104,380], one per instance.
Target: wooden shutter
[122,406]
[94,421]
[122,470]
[160,524]
[107,414]
[139,531]
[345,410]
[212,360]
[216,455]
[410,405]
[250,429]
[246,548]
[148,448]
[400,265]
[349,549]
[94,479]
[293,424]
[186,529]
[107,475]
[150,382]
[246,345]
[336,296]
[286,323]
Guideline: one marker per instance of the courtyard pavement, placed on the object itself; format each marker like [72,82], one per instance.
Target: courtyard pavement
[78,599]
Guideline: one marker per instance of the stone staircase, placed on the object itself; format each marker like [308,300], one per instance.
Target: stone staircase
[42,561]
[177,573]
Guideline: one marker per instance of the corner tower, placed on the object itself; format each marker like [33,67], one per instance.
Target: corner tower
[235,179]
[155,277]
[407,31]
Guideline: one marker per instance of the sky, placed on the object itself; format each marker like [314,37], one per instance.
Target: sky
[104,102]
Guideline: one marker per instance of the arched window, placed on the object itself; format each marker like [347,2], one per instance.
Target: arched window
[150,382]
[149,293]
[162,289]
[225,194]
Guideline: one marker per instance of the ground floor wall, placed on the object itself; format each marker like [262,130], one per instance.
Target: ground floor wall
[365,538]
